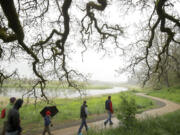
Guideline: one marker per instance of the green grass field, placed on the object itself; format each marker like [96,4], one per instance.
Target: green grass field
[164,125]
[69,109]
[172,93]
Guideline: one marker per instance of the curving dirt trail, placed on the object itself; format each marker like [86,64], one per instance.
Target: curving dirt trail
[164,106]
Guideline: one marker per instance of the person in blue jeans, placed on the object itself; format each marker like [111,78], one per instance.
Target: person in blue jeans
[109,109]
[47,122]
[83,116]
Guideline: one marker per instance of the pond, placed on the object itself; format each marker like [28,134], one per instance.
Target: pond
[61,93]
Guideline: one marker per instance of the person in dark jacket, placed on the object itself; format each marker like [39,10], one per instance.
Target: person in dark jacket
[13,123]
[109,109]
[83,116]
[8,107]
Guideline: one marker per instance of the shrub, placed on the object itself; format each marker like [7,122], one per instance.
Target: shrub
[127,111]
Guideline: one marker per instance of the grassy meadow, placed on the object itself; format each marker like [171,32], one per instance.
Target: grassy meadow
[172,93]
[69,109]
[164,125]
[168,124]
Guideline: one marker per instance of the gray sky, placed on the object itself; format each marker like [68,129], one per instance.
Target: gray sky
[99,66]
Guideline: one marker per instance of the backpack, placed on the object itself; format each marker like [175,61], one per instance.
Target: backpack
[3,113]
[107,105]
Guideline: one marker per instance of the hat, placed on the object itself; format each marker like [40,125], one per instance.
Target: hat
[48,113]
[84,102]
[18,103]
[12,99]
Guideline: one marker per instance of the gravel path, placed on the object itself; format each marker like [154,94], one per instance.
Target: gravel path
[164,106]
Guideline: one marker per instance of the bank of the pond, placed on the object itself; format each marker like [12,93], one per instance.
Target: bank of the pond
[60,93]
[69,109]
[27,84]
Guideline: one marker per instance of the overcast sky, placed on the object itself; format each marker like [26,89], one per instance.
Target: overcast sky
[101,68]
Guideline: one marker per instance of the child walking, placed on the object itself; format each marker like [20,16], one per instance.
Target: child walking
[47,123]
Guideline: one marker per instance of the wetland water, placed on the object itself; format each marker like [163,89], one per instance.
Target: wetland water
[61,93]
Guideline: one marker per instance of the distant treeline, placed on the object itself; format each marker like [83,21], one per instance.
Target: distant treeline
[53,84]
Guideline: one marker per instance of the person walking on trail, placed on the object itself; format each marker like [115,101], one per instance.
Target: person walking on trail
[6,111]
[83,116]
[47,122]
[109,108]
[13,123]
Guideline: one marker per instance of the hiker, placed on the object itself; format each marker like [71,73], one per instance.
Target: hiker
[83,116]
[6,110]
[13,123]
[47,122]
[109,108]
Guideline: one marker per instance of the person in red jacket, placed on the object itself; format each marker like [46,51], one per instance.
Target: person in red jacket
[109,108]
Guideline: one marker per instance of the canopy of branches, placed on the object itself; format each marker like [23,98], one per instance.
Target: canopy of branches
[43,31]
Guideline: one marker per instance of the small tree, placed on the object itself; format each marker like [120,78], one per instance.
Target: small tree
[127,111]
